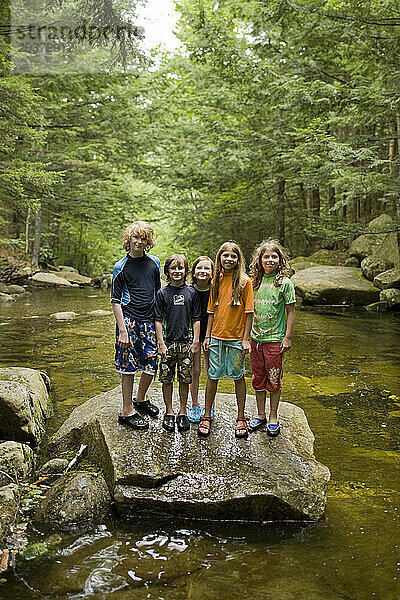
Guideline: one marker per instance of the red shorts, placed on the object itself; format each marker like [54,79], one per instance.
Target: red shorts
[267,365]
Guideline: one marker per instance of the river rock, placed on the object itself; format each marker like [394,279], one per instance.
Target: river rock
[374,264]
[76,501]
[382,241]
[100,312]
[74,277]
[55,466]
[16,289]
[64,316]
[391,296]
[67,268]
[9,503]
[49,280]
[334,285]
[219,478]
[6,297]
[352,261]
[16,462]
[24,404]
[388,279]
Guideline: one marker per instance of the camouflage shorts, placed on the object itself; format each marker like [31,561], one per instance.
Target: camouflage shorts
[179,356]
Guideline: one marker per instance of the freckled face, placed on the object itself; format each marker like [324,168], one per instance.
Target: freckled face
[229,260]
[203,270]
[270,261]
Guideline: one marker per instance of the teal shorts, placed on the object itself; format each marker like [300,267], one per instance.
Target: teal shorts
[226,359]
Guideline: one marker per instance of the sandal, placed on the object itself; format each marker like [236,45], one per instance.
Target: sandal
[168,423]
[146,407]
[134,421]
[273,429]
[257,423]
[205,425]
[241,431]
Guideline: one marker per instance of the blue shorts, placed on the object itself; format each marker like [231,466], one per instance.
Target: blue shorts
[142,353]
[226,359]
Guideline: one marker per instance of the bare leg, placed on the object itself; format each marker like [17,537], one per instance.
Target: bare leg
[240,390]
[167,389]
[211,390]
[144,384]
[194,386]
[127,389]
[273,407]
[261,397]
[183,396]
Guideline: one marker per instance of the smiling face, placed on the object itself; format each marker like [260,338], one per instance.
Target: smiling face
[229,260]
[270,261]
[176,272]
[203,271]
[137,244]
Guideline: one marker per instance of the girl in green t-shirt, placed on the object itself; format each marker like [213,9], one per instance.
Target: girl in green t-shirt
[274,306]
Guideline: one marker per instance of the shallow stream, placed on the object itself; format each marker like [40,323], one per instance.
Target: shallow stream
[343,370]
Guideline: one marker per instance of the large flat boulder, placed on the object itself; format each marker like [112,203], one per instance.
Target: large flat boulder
[219,477]
[49,280]
[380,241]
[73,277]
[24,404]
[334,285]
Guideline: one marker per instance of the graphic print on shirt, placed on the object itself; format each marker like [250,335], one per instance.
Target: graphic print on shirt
[179,300]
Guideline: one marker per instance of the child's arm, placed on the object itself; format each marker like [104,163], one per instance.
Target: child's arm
[287,340]
[206,343]
[123,337]
[195,345]
[162,348]
[246,337]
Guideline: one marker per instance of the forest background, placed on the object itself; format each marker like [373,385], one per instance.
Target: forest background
[273,118]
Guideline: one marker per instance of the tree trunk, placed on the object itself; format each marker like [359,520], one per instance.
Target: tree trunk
[36,244]
[27,223]
[280,212]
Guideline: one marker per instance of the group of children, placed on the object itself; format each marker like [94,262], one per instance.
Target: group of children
[223,312]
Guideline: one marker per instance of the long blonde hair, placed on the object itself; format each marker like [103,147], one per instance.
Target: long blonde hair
[256,268]
[237,274]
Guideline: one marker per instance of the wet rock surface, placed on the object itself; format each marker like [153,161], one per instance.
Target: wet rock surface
[24,404]
[334,285]
[16,462]
[9,502]
[219,477]
[77,501]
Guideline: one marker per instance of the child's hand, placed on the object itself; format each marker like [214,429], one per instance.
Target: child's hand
[206,344]
[194,347]
[162,350]
[123,339]
[285,345]
[246,346]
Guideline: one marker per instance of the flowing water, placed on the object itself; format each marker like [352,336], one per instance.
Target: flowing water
[343,370]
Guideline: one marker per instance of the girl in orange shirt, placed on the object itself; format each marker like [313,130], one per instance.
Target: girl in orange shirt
[230,308]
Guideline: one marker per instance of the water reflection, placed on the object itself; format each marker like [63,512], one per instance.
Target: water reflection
[343,370]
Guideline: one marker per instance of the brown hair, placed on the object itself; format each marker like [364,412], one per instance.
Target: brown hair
[196,262]
[143,230]
[256,268]
[237,274]
[178,258]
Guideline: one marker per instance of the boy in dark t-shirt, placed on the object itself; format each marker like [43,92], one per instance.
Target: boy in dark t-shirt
[178,305]
[136,280]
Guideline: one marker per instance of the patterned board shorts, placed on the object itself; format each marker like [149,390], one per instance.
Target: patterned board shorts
[142,353]
[179,356]
[267,366]
[226,359]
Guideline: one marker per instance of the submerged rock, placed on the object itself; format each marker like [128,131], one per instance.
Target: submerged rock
[334,285]
[16,462]
[24,404]
[64,316]
[77,501]
[6,297]
[220,477]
